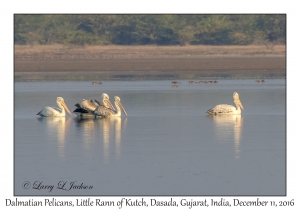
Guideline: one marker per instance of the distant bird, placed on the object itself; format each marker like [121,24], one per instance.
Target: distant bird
[102,111]
[86,107]
[175,86]
[260,81]
[96,83]
[228,109]
[175,82]
[215,81]
[192,82]
[55,112]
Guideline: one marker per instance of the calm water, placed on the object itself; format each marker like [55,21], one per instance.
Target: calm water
[166,146]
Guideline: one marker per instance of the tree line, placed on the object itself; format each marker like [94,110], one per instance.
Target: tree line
[145,29]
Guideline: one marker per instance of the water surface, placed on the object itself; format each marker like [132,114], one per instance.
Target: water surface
[166,146]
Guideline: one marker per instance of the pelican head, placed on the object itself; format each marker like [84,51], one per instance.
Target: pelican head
[236,99]
[118,102]
[60,101]
[104,96]
[106,101]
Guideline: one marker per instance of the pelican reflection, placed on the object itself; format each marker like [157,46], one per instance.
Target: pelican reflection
[227,128]
[111,129]
[86,128]
[56,129]
[107,131]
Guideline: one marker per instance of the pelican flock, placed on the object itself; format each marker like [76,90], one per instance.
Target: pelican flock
[55,112]
[86,107]
[226,108]
[94,108]
[103,111]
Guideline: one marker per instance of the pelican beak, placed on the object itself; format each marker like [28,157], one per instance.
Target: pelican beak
[122,108]
[240,104]
[107,101]
[66,108]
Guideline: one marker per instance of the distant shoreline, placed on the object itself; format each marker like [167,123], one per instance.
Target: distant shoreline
[57,62]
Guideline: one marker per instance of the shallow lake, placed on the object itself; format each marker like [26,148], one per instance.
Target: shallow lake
[166,146]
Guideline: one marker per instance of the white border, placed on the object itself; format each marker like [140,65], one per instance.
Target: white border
[154,6]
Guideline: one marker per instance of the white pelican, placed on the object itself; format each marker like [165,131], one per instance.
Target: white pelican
[86,107]
[55,112]
[228,109]
[107,112]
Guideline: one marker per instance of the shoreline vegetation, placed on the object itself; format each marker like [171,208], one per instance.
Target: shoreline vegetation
[147,62]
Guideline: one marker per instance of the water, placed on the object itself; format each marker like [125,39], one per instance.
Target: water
[166,146]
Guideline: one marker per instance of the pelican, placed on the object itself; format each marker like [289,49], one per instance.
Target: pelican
[228,109]
[86,107]
[107,112]
[55,112]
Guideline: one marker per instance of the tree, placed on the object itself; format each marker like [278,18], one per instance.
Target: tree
[150,29]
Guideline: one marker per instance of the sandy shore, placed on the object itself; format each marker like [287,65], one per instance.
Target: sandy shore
[57,62]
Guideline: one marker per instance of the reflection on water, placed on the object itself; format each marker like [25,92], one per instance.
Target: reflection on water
[57,127]
[110,129]
[227,128]
[86,128]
